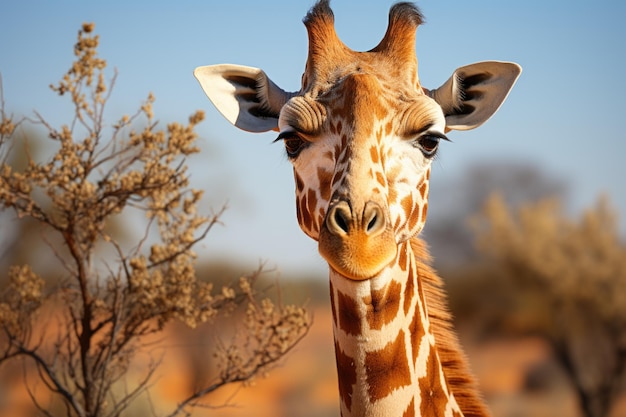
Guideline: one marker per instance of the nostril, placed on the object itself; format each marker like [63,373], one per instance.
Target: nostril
[374,218]
[340,220]
[372,224]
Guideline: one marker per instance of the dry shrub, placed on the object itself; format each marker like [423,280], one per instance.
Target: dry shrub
[108,304]
[576,271]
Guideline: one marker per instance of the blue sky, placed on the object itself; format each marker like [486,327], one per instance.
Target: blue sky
[563,115]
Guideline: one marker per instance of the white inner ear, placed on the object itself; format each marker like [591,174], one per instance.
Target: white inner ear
[475,92]
[214,80]
[245,96]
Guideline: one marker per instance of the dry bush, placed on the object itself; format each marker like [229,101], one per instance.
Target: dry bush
[567,278]
[106,305]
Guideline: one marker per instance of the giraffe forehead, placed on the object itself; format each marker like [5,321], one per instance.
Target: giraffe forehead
[362,68]
[360,100]
[360,105]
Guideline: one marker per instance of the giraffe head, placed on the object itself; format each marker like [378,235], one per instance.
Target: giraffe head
[361,133]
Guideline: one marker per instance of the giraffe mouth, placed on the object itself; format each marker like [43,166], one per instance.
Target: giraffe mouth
[358,257]
[357,247]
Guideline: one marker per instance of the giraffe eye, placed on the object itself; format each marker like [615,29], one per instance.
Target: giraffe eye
[294,144]
[428,144]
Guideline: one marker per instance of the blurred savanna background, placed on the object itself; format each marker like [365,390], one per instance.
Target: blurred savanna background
[150,259]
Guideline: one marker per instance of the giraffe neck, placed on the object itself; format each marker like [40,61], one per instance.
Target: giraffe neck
[387,362]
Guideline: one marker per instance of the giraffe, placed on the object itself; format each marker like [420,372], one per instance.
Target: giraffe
[361,134]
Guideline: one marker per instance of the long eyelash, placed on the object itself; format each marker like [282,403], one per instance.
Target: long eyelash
[282,135]
[439,135]
[437,156]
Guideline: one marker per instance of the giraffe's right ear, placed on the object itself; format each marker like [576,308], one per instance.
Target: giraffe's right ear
[244,95]
[475,92]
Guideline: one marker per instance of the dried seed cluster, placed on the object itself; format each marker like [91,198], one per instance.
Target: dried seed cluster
[98,172]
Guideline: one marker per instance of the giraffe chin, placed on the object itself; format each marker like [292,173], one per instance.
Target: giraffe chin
[358,258]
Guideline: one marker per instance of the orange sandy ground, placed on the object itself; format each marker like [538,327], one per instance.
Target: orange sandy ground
[304,384]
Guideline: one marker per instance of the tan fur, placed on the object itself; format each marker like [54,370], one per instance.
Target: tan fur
[460,379]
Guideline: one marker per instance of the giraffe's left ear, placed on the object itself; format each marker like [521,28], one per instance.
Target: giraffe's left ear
[475,92]
[245,96]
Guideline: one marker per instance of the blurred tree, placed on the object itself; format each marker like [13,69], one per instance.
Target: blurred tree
[450,202]
[566,281]
[23,240]
[81,331]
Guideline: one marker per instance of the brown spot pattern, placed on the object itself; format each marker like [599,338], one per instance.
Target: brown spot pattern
[433,397]
[407,204]
[374,154]
[424,211]
[402,258]
[320,216]
[311,201]
[299,182]
[337,176]
[387,369]
[348,314]
[383,157]
[388,128]
[383,305]
[299,212]
[392,195]
[325,178]
[303,213]
[337,150]
[409,291]
[423,188]
[347,375]
[379,135]
[380,178]
[417,333]
[410,410]
[332,303]
[415,217]
[396,225]
[420,289]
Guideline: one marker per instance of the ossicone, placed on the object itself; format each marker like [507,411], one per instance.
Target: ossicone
[399,40]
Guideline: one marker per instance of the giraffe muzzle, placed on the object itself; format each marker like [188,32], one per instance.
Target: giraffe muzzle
[341,221]
[357,242]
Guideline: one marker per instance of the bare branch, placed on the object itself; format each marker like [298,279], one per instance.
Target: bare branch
[103,309]
[31,394]
[50,375]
